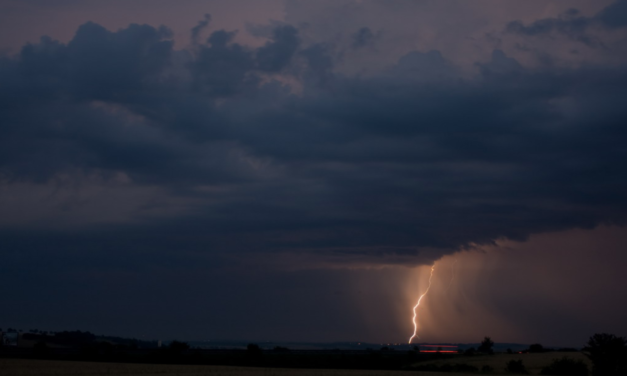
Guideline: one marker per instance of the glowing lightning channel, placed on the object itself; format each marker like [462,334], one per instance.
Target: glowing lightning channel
[418,304]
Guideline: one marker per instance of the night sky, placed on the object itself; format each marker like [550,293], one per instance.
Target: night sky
[289,170]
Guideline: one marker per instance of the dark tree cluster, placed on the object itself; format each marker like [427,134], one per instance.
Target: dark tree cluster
[566,367]
[536,348]
[608,354]
[517,367]
[486,346]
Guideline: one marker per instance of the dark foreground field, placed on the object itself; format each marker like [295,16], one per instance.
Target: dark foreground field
[28,367]
[23,367]
[497,362]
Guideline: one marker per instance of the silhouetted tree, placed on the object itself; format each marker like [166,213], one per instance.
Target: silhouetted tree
[516,366]
[133,344]
[608,354]
[177,347]
[566,367]
[567,349]
[105,348]
[486,346]
[253,349]
[41,349]
[487,369]
[74,338]
[536,348]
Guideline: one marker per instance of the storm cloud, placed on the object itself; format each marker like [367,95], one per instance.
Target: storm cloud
[415,156]
[575,25]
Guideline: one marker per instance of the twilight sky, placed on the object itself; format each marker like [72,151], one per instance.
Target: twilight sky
[290,169]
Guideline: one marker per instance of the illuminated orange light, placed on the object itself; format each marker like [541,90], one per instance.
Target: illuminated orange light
[418,304]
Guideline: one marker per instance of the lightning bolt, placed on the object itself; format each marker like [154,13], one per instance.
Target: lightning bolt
[418,304]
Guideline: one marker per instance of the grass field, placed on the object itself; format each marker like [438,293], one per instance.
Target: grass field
[21,367]
[533,362]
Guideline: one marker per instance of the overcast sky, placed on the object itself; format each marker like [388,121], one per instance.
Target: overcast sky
[290,170]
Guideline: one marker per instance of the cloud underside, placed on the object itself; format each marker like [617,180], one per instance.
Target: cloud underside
[228,149]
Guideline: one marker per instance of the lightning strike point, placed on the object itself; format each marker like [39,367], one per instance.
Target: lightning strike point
[415,320]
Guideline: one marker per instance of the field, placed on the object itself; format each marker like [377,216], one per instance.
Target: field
[533,362]
[20,367]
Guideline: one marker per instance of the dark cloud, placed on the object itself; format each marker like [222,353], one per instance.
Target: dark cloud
[277,54]
[501,64]
[196,30]
[221,68]
[569,24]
[414,157]
[429,66]
[614,16]
[319,62]
[158,162]
[363,37]
[105,65]
[96,65]
[574,25]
